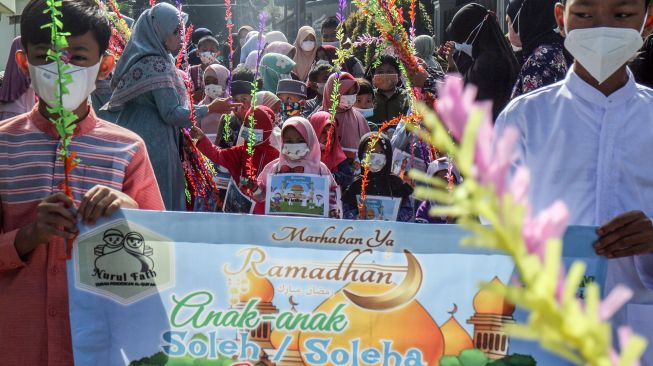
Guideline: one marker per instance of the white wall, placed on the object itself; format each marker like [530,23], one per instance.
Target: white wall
[8,33]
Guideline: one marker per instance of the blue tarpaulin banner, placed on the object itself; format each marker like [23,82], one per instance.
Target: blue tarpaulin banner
[165,288]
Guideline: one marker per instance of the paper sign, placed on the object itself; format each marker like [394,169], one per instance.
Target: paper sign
[236,201]
[380,208]
[297,194]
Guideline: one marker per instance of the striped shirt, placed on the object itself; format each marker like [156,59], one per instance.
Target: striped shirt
[34,321]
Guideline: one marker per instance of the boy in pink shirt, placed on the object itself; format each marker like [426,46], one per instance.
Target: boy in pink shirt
[35,216]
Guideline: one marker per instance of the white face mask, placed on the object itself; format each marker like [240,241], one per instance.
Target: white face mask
[83,83]
[335,44]
[295,151]
[320,88]
[207,57]
[366,112]
[243,136]
[377,162]
[213,91]
[308,46]
[468,46]
[347,101]
[602,51]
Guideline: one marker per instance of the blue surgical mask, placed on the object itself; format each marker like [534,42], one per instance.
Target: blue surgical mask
[366,112]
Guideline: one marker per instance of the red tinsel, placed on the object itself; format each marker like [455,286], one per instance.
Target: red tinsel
[183,52]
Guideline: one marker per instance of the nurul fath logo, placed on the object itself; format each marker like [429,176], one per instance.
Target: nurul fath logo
[124,261]
[129,250]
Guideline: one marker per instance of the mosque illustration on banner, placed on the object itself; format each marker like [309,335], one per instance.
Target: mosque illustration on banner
[418,328]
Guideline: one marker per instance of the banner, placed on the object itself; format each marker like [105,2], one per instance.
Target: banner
[164,288]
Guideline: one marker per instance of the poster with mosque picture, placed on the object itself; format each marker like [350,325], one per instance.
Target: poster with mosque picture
[297,194]
[380,208]
[243,135]
[150,288]
[403,162]
[236,201]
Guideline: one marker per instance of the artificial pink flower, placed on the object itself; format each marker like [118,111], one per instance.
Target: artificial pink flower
[492,166]
[617,298]
[455,103]
[519,187]
[550,223]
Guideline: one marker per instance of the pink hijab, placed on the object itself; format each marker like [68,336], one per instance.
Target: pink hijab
[320,121]
[311,163]
[350,123]
[303,59]
[222,74]
[209,124]
[282,48]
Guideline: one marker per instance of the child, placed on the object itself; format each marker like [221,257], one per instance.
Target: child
[274,67]
[317,79]
[215,86]
[269,100]
[235,158]
[241,90]
[391,98]
[35,216]
[208,52]
[292,94]
[599,120]
[335,159]
[350,123]
[305,46]
[365,102]
[300,153]
[438,168]
[381,181]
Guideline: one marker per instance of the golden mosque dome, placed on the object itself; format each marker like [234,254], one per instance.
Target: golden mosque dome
[409,326]
[259,287]
[456,338]
[488,302]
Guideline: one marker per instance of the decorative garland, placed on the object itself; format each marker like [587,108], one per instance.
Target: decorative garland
[64,123]
[251,123]
[199,178]
[576,329]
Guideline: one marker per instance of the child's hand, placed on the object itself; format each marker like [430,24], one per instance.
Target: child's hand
[196,133]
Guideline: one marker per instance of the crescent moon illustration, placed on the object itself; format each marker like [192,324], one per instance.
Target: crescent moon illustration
[396,297]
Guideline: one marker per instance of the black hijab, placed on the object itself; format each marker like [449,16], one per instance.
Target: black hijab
[535,22]
[494,67]
[382,183]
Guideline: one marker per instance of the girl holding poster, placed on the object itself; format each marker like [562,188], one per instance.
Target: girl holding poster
[300,155]
[381,183]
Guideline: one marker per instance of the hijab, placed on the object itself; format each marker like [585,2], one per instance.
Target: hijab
[330,51]
[350,123]
[320,121]
[250,45]
[383,182]
[222,74]
[146,64]
[304,59]
[311,162]
[15,82]
[535,22]
[272,66]
[282,48]
[425,48]
[443,164]
[250,61]
[267,99]
[275,36]
[494,67]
